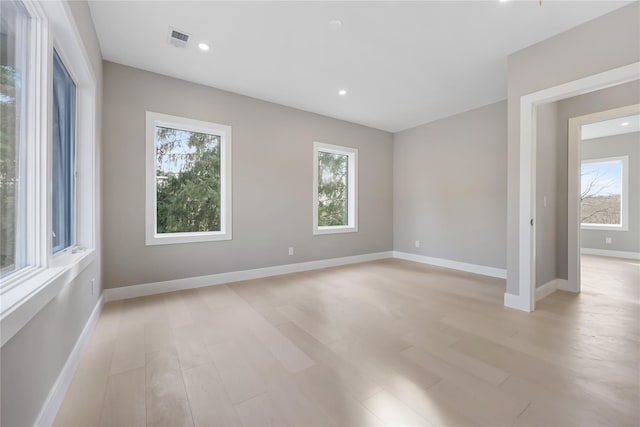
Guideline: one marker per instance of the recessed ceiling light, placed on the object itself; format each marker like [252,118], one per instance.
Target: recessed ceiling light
[624,124]
[335,24]
[203,46]
[342,92]
[503,1]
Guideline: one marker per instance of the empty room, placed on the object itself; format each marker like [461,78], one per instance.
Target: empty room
[319,213]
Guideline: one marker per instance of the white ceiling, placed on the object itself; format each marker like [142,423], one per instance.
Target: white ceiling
[611,127]
[402,63]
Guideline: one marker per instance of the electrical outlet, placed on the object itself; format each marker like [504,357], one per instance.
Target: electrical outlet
[608,240]
[93,286]
[417,243]
[290,250]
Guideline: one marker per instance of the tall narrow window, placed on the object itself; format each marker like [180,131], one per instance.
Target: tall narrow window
[603,196]
[63,165]
[14,52]
[188,180]
[47,118]
[335,189]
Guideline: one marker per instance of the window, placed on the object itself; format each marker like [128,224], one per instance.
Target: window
[188,180]
[14,48]
[63,152]
[335,201]
[603,195]
[48,186]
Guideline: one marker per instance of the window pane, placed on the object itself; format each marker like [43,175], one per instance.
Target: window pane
[64,135]
[601,193]
[333,173]
[14,44]
[187,181]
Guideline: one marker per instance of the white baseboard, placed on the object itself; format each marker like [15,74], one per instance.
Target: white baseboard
[608,253]
[515,302]
[550,287]
[59,390]
[145,289]
[134,291]
[454,265]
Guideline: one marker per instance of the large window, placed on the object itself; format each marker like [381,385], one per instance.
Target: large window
[603,195]
[335,201]
[48,185]
[63,152]
[188,180]
[14,54]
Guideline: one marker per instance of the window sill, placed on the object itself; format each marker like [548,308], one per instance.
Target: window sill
[176,238]
[335,229]
[22,301]
[604,227]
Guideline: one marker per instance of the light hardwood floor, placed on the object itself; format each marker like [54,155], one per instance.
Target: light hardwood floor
[382,343]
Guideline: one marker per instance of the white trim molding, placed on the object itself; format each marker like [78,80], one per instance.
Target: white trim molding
[126,292]
[547,289]
[516,302]
[550,287]
[59,390]
[483,270]
[610,253]
[153,288]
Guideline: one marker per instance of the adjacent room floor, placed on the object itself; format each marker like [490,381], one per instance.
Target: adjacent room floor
[381,343]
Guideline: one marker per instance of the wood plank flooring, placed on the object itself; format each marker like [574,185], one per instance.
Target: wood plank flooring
[383,343]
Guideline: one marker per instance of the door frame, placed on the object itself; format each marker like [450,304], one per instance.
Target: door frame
[527,203]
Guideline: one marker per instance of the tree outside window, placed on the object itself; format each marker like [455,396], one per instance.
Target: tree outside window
[335,198]
[188,180]
[601,195]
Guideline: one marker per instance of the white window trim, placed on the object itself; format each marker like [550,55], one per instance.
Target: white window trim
[26,292]
[224,132]
[352,186]
[624,198]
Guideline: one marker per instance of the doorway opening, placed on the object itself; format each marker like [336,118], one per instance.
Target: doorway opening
[528,197]
[603,187]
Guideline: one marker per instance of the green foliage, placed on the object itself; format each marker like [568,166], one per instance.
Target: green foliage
[332,189]
[188,181]
[8,164]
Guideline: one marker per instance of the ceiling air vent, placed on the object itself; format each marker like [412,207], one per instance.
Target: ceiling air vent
[178,38]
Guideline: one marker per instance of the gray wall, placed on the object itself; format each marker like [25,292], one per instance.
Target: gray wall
[450,187]
[579,52]
[272,181]
[547,147]
[33,358]
[613,146]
